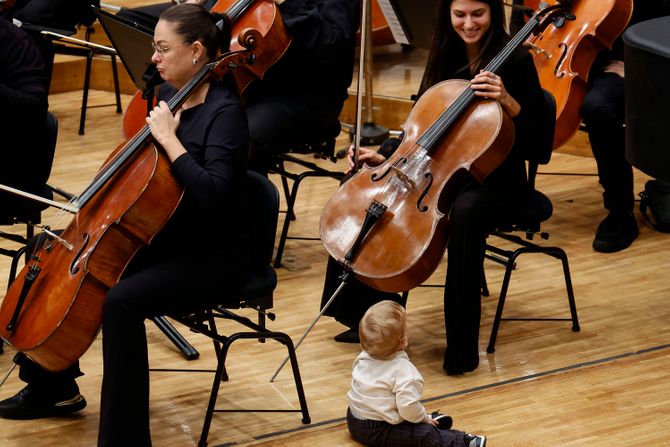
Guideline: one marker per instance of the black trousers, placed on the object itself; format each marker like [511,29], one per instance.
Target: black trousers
[603,113]
[354,299]
[405,434]
[174,285]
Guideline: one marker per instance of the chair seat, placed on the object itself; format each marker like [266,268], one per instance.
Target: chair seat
[27,210]
[321,143]
[537,210]
[257,291]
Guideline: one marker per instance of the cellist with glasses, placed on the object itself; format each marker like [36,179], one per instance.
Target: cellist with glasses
[206,143]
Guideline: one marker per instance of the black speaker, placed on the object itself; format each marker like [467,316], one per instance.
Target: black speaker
[647,62]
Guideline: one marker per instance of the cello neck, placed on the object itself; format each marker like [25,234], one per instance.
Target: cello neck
[238,9]
[539,20]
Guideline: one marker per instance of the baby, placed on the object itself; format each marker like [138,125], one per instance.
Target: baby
[385,398]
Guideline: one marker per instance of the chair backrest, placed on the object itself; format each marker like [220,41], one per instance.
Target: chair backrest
[263,203]
[46,149]
[545,145]
[42,150]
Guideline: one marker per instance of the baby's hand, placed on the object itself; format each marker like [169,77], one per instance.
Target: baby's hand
[432,422]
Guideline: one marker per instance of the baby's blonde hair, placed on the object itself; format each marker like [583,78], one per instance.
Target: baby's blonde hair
[383,329]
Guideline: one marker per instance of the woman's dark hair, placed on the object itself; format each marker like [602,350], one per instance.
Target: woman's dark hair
[447,52]
[194,23]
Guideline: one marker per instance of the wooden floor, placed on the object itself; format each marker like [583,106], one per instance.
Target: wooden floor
[607,385]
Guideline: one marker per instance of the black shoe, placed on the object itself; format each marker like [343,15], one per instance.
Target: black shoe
[454,368]
[616,232]
[475,440]
[29,403]
[348,336]
[444,422]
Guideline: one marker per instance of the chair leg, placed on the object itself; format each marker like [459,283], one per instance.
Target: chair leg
[568,286]
[290,202]
[501,304]
[220,367]
[84,98]
[485,285]
[286,340]
[117,90]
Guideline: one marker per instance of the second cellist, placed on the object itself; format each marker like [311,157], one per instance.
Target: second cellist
[469,35]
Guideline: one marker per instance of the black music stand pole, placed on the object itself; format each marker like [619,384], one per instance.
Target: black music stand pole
[370,133]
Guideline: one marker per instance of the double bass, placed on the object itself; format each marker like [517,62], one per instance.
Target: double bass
[564,53]
[52,311]
[388,224]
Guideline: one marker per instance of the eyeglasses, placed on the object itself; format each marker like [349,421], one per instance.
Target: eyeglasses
[162,49]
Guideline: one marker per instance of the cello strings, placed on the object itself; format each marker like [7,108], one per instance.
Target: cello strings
[449,116]
[401,178]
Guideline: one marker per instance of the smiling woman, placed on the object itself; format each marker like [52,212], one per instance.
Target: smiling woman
[469,34]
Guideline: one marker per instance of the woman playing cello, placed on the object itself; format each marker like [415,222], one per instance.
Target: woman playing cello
[469,34]
[206,141]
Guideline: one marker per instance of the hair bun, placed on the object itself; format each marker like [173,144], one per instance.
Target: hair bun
[220,20]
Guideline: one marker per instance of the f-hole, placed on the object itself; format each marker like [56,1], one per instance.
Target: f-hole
[564,53]
[74,267]
[419,206]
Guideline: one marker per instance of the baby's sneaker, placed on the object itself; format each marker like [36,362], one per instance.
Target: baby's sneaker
[475,440]
[444,422]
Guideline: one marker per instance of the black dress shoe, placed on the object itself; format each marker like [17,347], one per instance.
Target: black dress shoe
[616,232]
[455,366]
[30,403]
[348,336]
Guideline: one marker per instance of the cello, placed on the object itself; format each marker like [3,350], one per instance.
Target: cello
[388,225]
[260,15]
[563,55]
[53,310]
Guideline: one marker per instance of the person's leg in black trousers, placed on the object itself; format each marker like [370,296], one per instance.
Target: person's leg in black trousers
[172,286]
[474,213]
[603,112]
[352,302]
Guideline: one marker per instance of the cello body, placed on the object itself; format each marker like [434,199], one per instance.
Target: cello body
[62,311]
[418,187]
[564,56]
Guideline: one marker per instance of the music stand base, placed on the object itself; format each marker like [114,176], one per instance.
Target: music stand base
[371,134]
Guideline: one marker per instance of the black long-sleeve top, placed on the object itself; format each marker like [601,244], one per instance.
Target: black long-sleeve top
[210,215]
[23,106]
[318,65]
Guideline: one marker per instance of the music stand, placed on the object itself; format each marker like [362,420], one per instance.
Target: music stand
[132,42]
[418,23]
